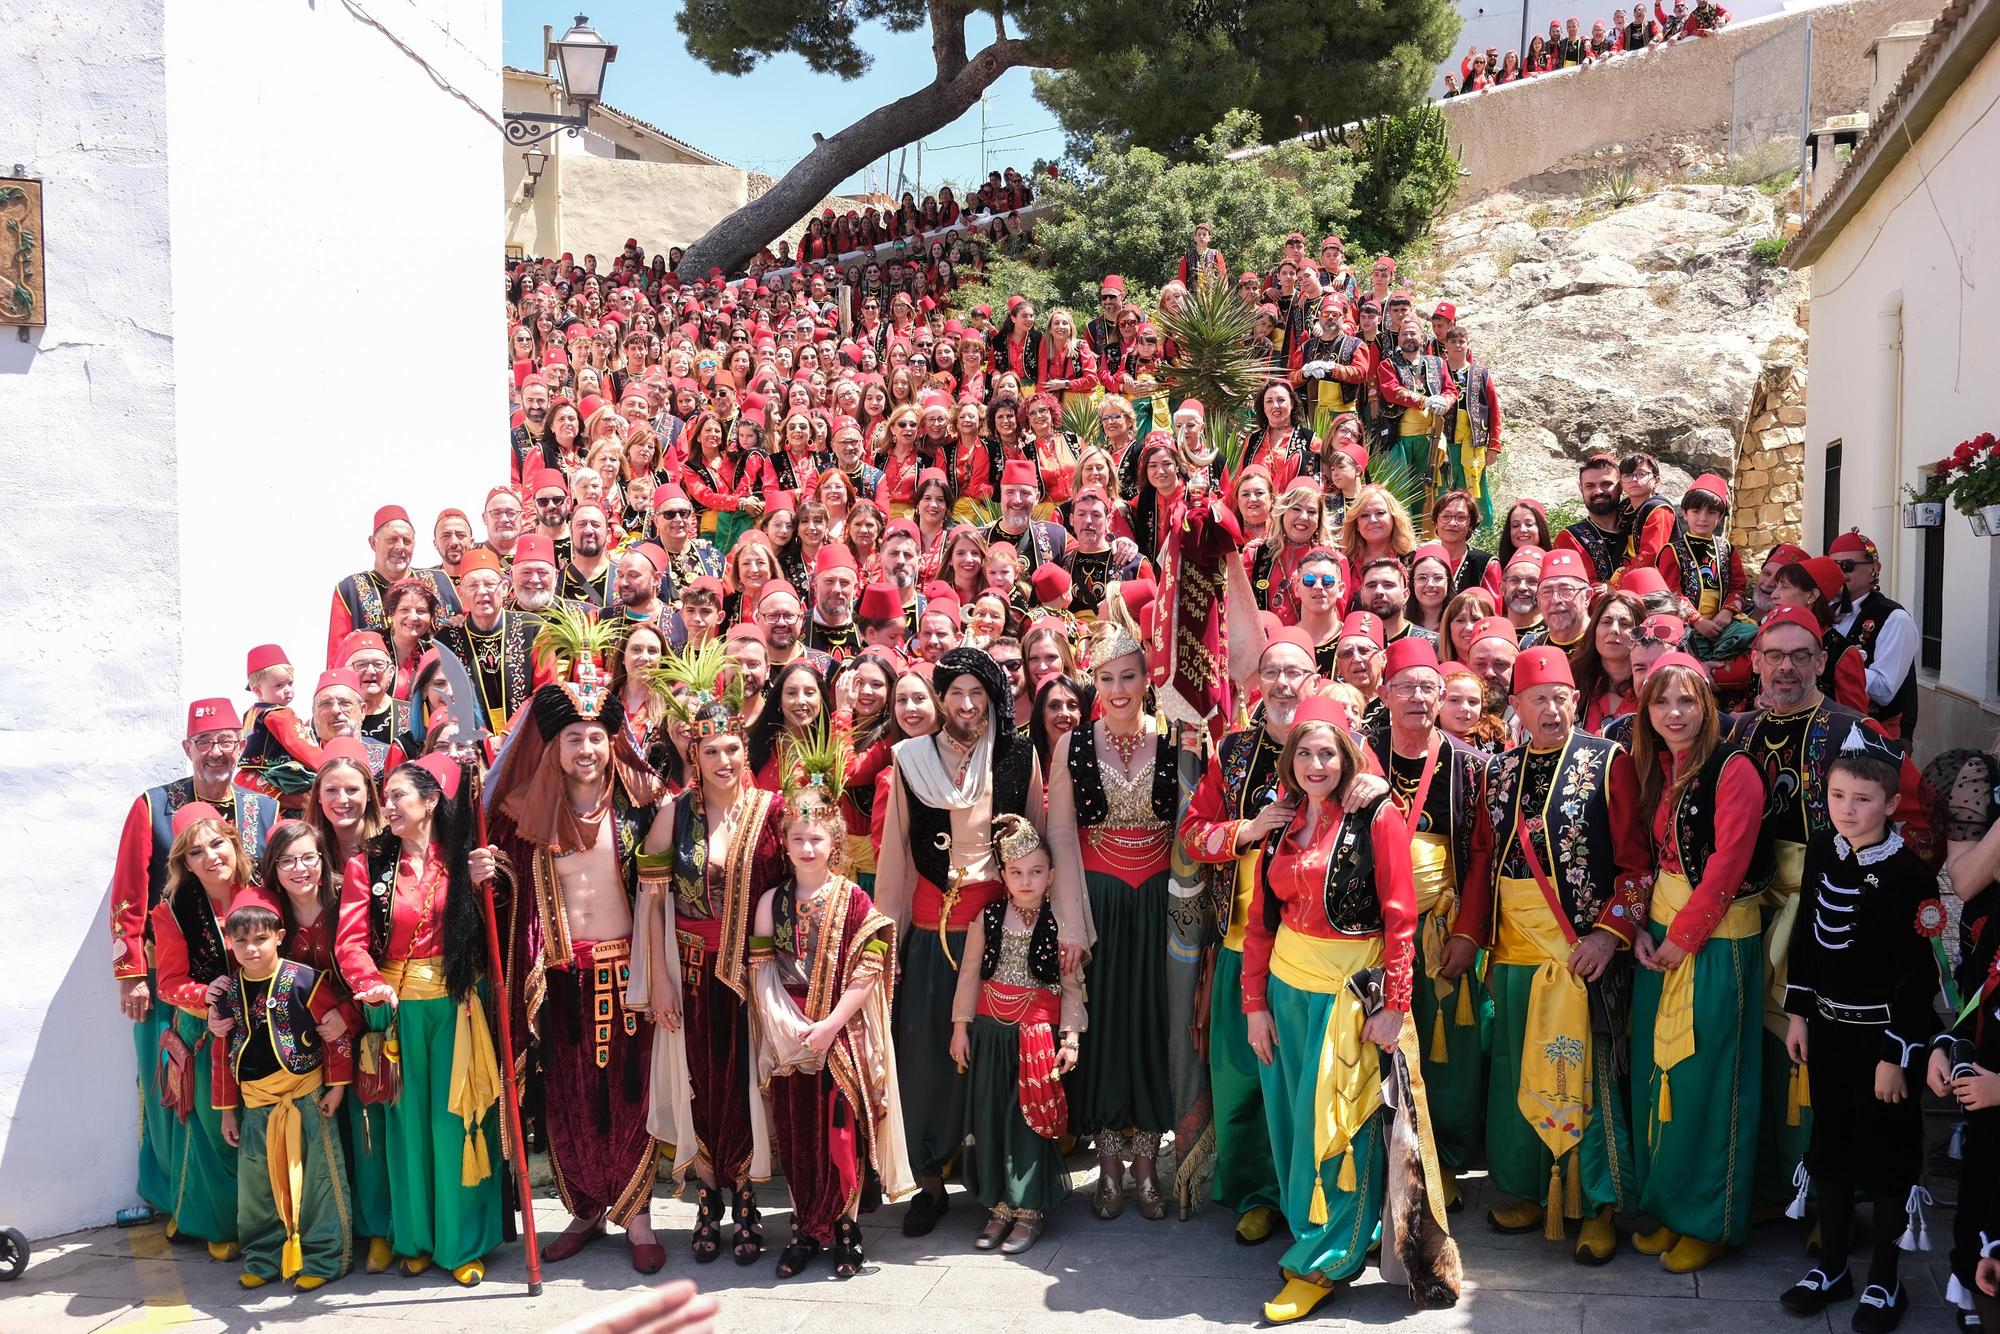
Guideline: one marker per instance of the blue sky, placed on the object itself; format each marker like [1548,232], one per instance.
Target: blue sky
[765,120]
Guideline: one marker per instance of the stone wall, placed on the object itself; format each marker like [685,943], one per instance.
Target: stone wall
[1671,94]
[1768,506]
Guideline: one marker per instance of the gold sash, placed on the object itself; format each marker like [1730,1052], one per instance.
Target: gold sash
[475,1070]
[1245,886]
[284,1152]
[1437,905]
[1783,896]
[1556,1056]
[1673,1026]
[1348,1084]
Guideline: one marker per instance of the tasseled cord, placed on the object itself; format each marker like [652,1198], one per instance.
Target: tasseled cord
[1798,1096]
[1344,1181]
[473,1164]
[1666,1098]
[1916,1237]
[1803,1180]
[1565,1194]
[1439,1051]
[1552,1214]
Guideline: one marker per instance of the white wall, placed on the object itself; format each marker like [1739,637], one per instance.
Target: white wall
[1896,255]
[194,454]
[1497,23]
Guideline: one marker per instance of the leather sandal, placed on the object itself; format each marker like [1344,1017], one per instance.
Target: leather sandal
[995,1231]
[748,1242]
[798,1254]
[847,1256]
[707,1242]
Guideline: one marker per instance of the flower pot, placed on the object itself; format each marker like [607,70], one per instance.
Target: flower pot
[1980,528]
[1991,513]
[1923,514]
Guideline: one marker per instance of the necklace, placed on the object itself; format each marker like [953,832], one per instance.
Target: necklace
[1126,746]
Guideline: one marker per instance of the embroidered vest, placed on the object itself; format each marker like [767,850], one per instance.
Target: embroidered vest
[1694,828]
[1087,780]
[1573,843]
[294,1031]
[1044,957]
[1603,549]
[255,814]
[1461,774]
[1471,571]
[208,954]
[930,827]
[1353,908]
[1472,401]
[1870,614]
[1636,525]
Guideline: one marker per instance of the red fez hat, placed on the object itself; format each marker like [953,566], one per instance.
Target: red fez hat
[747,630]
[1446,309]
[444,514]
[946,605]
[1826,574]
[1326,241]
[193,813]
[445,769]
[1713,485]
[1137,593]
[1492,627]
[1431,551]
[1799,616]
[1564,564]
[1542,667]
[1019,472]
[1193,408]
[1290,634]
[1787,553]
[264,657]
[774,586]
[775,501]
[547,479]
[360,641]
[666,493]
[253,896]
[1320,705]
[389,514]
[1113,283]
[1534,556]
[344,748]
[1852,543]
[653,554]
[705,583]
[1051,583]
[1362,625]
[1290,237]
[881,602]
[1643,581]
[833,556]
[1268,311]
[1354,451]
[532,548]
[337,676]
[1661,626]
[479,558]
[212,715]
[1679,659]
[905,528]
[1248,276]
[522,370]
[1408,652]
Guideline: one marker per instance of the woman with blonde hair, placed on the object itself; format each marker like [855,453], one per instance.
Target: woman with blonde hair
[1697,1028]
[1066,366]
[1297,526]
[1376,527]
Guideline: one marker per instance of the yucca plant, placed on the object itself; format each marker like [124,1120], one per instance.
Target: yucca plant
[1410,486]
[1213,329]
[1080,420]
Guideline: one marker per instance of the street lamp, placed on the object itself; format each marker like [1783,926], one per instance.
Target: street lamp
[536,161]
[580,56]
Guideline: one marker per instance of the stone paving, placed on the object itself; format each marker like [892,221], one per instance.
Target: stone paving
[1127,1274]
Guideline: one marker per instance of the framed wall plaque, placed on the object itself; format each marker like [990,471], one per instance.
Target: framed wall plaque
[23,281]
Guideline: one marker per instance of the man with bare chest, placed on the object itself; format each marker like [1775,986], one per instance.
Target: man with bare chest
[567,834]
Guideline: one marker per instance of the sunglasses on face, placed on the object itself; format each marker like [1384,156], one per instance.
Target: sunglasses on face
[1848,566]
[1319,581]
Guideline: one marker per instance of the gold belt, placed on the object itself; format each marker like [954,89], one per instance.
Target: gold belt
[416,979]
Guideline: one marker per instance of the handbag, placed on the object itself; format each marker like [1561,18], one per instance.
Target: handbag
[378,1073]
[176,1074]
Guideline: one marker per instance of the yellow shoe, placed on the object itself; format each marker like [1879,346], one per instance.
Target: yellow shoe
[307,1282]
[246,1279]
[1690,1254]
[416,1264]
[1256,1225]
[380,1255]
[224,1250]
[1296,1301]
[470,1273]
[1525,1216]
[1598,1239]
[1657,1242]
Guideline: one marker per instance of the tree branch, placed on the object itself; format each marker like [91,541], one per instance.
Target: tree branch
[733,240]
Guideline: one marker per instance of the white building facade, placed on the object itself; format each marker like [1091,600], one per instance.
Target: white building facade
[1905,334]
[200,436]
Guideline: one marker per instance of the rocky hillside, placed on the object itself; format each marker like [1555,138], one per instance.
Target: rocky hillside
[1644,326]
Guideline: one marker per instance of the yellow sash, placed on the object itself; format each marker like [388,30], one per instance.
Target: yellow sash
[1437,905]
[475,1070]
[284,1152]
[1247,868]
[860,855]
[1556,1058]
[1673,1026]
[1348,1084]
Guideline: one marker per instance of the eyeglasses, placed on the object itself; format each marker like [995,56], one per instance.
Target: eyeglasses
[216,741]
[305,861]
[1415,689]
[1847,566]
[1008,665]
[548,500]
[1319,581]
[1285,673]
[671,515]
[1777,657]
